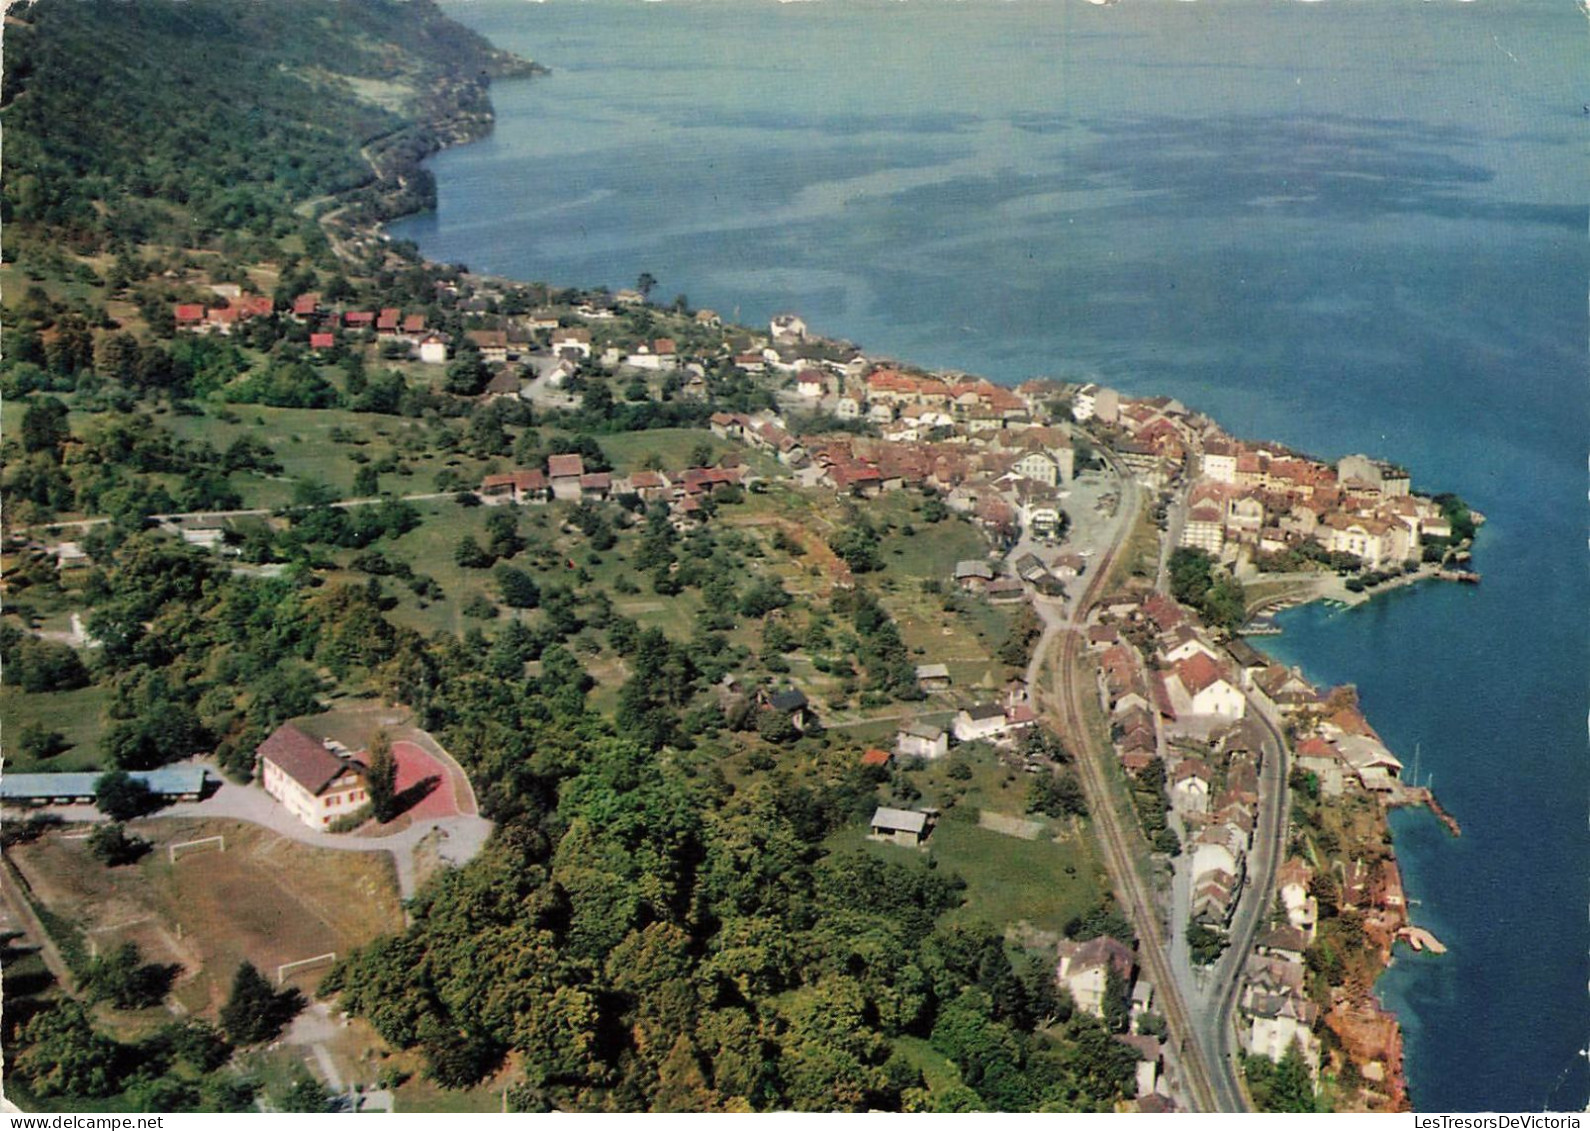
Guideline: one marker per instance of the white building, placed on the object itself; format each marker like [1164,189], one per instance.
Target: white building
[1084,970]
[921,740]
[309,781]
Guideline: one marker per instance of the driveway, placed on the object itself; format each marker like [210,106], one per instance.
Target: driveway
[459,838]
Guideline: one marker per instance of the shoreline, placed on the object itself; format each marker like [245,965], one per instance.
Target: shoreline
[448,131]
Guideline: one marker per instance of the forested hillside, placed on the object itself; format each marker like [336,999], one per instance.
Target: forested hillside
[187,122]
[678,909]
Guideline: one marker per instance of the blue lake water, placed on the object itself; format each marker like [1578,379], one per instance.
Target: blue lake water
[1345,226]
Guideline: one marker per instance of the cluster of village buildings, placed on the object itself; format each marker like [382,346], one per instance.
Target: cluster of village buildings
[994,451]
[565,479]
[1252,499]
[1176,696]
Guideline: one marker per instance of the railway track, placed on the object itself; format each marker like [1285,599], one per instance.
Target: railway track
[1208,1079]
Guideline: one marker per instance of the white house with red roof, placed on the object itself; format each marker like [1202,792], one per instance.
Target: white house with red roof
[1206,688]
[311,782]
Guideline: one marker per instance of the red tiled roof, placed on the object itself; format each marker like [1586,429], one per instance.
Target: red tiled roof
[359,317]
[306,304]
[1197,672]
[414,323]
[876,757]
[1315,748]
[190,312]
[559,467]
[322,341]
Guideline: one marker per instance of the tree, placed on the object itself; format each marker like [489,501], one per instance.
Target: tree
[1057,795]
[121,797]
[44,425]
[300,1092]
[1205,943]
[62,1055]
[467,374]
[518,588]
[1280,1086]
[646,284]
[39,743]
[254,1012]
[858,546]
[112,846]
[381,777]
[469,555]
[122,978]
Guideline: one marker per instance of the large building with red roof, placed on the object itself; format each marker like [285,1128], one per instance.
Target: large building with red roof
[311,782]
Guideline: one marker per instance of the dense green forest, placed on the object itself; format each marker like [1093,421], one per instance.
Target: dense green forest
[187,122]
[645,930]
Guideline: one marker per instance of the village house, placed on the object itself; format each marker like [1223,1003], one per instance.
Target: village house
[655,355]
[1206,689]
[493,345]
[973,575]
[905,827]
[921,740]
[433,349]
[1214,898]
[1184,643]
[564,472]
[873,758]
[309,781]
[787,329]
[1084,972]
[1189,787]
[933,677]
[596,486]
[575,341]
[651,486]
[1278,1021]
[516,487]
[793,703]
[1302,909]
[982,721]
[1005,590]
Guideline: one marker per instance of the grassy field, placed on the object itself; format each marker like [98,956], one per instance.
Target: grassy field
[79,715]
[1021,887]
[265,899]
[932,549]
[629,451]
[326,446]
[1013,885]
